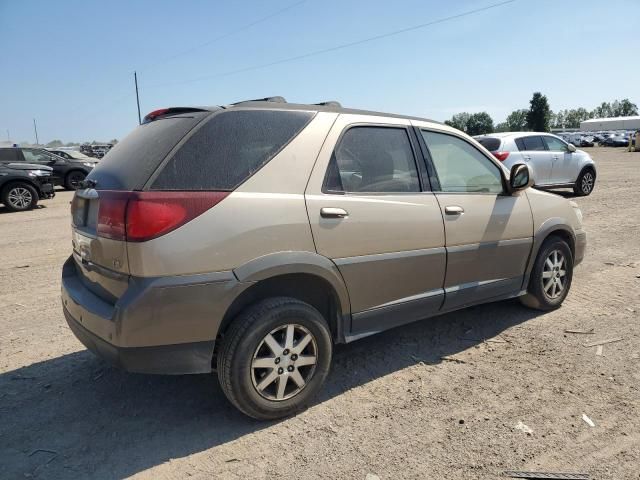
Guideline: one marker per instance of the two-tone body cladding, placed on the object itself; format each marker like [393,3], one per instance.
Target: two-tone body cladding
[248,238]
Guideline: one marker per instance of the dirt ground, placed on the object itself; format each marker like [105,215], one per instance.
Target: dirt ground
[438,399]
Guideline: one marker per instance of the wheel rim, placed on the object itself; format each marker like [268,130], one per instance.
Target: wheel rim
[284,362]
[19,197]
[587,182]
[554,274]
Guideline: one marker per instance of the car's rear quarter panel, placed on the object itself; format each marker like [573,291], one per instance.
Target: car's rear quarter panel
[266,214]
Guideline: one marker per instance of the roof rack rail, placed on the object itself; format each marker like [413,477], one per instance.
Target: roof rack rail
[265,99]
[329,103]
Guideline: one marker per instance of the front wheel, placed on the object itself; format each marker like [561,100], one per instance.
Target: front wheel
[274,358]
[73,179]
[19,197]
[551,276]
[585,183]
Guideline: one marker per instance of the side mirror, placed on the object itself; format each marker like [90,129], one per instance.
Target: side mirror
[572,147]
[520,178]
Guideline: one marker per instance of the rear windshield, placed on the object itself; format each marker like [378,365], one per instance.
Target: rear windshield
[229,148]
[490,143]
[129,164]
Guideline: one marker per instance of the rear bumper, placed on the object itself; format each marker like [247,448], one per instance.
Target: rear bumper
[158,325]
[165,359]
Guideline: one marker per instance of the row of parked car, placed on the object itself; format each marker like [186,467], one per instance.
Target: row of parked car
[618,138]
[28,175]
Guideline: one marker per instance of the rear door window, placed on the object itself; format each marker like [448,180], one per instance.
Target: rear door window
[373,159]
[531,143]
[9,155]
[229,148]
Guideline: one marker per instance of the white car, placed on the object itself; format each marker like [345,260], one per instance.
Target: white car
[555,163]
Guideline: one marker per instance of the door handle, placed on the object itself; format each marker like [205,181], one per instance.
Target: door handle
[526,158]
[453,210]
[332,212]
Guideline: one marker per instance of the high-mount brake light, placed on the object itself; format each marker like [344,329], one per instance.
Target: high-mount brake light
[502,156]
[142,216]
[155,114]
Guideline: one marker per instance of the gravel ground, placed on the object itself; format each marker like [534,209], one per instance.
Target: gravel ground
[436,399]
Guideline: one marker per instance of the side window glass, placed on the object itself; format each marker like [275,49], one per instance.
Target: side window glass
[9,155]
[460,167]
[35,156]
[520,144]
[373,159]
[555,145]
[533,143]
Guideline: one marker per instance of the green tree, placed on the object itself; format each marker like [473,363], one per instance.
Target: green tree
[113,141]
[539,113]
[459,121]
[624,108]
[604,110]
[575,116]
[479,124]
[502,127]
[517,120]
[55,144]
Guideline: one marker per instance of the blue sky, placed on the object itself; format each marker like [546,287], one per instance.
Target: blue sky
[70,64]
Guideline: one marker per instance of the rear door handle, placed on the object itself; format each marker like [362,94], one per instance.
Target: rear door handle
[527,158]
[453,210]
[332,212]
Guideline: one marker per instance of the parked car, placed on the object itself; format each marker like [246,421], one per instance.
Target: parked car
[554,162]
[616,140]
[66,172]
[586,141]
[250,239]
[23,185]
[72,155]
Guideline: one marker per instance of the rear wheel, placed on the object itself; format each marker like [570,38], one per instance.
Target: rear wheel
[274,358]
[551,276]
[73,179]
[585,183]
[18,197]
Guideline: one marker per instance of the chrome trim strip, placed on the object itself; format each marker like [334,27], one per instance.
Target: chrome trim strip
[377,257]
[419,296]
[499,243]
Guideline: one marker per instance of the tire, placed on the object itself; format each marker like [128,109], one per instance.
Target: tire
[254,390]
[72,179]
[19,197]
[541,294]
[585,183]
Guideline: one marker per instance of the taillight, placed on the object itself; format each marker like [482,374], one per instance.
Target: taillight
[142,216]
[502,156]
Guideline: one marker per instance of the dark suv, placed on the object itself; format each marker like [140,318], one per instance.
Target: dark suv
[66,172]
[22,185]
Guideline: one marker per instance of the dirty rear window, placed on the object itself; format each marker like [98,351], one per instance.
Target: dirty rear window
[229,148]
[129,164]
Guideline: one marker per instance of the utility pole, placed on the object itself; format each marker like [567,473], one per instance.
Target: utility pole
[135,79]
[35,128]
[8,136]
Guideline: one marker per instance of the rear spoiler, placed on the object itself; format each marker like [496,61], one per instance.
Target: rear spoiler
[163,112]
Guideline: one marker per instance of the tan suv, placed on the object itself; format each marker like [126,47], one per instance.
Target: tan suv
[248,239]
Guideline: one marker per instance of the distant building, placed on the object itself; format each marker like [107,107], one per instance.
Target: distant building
[613,123]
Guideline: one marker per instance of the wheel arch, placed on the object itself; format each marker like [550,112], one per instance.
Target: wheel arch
[553,227]
[306,276]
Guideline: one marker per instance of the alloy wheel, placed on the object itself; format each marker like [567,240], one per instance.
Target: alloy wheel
[284,362]
[19,198]
[554,274]
[587,183]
